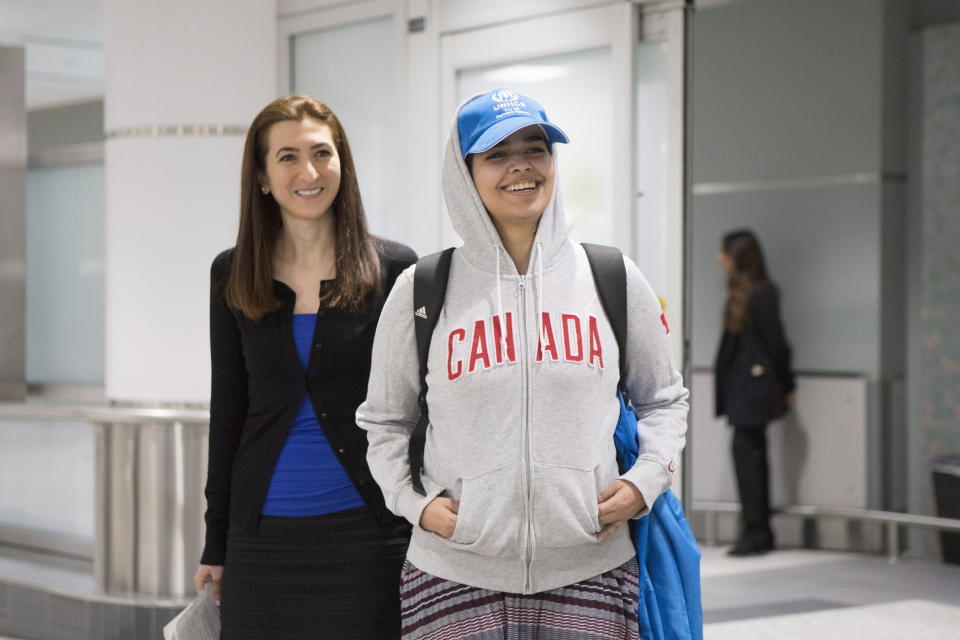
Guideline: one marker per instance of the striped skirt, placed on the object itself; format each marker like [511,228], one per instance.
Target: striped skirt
[332,576]
[601,608]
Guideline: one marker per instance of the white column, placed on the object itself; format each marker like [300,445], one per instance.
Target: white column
[184,79]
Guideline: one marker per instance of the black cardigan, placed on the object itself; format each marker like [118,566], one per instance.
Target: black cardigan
[258,384]
[753,374]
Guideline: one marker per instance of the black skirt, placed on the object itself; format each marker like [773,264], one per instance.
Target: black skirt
[329,576]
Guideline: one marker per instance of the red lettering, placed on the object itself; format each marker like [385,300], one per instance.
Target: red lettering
[511,351]
[596,347]
[567,319]
[461,335]
[551,345]
[479,349]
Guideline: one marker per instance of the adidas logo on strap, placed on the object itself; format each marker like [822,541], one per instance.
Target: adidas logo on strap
[421,313]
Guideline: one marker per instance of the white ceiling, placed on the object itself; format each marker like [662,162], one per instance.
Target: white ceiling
[63,40]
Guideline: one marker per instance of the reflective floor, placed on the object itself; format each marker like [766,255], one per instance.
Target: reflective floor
[786,595]
[815,595]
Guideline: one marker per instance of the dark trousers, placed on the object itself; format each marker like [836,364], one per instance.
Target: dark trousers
[753,480]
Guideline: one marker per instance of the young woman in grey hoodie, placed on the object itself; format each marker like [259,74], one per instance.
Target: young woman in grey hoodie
[520,533]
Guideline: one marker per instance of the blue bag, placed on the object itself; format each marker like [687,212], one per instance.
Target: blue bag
[669,607]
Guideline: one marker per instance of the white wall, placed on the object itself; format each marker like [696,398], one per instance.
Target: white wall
[172,202]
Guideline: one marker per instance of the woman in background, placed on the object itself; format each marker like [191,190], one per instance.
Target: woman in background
[298,542]
[754,381]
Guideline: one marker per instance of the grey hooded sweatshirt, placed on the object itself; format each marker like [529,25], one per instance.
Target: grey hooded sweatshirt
[523,375]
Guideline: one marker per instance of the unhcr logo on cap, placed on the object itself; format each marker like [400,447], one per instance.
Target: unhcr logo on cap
[506,102]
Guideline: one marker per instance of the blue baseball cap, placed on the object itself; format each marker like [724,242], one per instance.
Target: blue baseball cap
[491,117]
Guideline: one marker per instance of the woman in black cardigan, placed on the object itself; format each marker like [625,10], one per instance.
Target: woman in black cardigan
[753,378]
[299,544]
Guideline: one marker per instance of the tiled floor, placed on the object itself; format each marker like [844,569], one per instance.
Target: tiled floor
[813,595]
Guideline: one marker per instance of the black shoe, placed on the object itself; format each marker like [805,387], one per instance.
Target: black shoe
[747,547]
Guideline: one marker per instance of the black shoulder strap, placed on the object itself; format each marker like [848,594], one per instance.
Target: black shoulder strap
[429,289]
[610,278]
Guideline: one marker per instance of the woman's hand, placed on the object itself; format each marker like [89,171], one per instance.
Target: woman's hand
[440,516]
[209,573]
[618,504]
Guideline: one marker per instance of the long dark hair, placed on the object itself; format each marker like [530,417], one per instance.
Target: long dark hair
[749,274]
[250,284]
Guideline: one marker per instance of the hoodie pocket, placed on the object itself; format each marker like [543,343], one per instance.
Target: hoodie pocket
[490,513]
[565,508]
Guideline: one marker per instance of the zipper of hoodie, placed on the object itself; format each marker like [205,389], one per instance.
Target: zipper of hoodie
[525,459]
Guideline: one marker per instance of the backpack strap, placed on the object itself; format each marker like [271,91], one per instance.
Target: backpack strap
[610,278]
[429,289]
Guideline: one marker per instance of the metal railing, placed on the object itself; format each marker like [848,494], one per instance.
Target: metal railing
[150,468]
[150,471]
[891,520]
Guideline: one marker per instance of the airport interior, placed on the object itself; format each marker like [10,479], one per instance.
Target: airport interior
[831,128]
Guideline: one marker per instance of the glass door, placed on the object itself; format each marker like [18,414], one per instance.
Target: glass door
[346,58]
[575,64]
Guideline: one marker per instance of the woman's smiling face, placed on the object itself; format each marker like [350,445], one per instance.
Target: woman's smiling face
[302,167]
[515,177]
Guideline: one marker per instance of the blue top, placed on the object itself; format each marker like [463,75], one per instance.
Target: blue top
[308,479]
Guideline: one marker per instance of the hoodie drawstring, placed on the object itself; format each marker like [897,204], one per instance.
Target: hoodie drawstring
[500,317]
[539,250]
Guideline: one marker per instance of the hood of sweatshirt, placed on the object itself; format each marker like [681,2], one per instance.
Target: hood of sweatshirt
[482,246]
